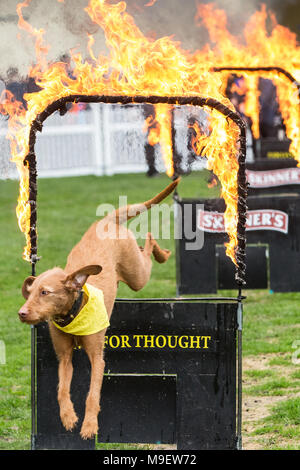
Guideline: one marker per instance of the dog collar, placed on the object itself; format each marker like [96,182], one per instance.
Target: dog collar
[64,320]
[92,317]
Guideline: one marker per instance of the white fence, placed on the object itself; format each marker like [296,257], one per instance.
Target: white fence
[95,141]
[101,140]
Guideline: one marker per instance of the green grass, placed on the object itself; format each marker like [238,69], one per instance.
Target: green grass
[284,420]
[275,387]
[258,374]
[277,326]
[66,208]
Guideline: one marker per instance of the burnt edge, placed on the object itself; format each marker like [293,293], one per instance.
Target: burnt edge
[273,69]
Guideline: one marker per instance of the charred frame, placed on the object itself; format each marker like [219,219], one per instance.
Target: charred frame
[60,105]
[270,69]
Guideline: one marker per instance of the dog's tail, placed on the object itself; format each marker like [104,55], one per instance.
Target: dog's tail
[125,213]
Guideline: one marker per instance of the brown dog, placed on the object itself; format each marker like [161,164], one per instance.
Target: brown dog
[73,308]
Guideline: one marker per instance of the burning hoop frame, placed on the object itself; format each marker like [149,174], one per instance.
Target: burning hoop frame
[271,69]
[30,161]
[60,105]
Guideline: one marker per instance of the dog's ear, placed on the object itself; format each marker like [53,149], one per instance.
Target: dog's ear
[78,278]
[27,283]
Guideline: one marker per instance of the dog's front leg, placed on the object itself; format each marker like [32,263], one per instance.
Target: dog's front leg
[65,373]
[63,346]
[94,350]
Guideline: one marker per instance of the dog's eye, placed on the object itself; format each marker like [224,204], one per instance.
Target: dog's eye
[44,292]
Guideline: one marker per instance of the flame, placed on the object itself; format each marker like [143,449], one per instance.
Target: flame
[212,183]
[278,48]
[41,49]
[252,105]
[90,44]
[152,129]
[134,65]
[159,130]
[164,118]
[198,138]
[150,3]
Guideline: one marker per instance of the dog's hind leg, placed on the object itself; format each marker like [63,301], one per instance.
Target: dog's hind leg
[161,255]
[136,268]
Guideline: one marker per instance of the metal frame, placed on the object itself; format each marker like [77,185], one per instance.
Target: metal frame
[270,69]
[30,162]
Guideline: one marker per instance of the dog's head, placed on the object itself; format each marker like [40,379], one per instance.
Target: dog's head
[52,293]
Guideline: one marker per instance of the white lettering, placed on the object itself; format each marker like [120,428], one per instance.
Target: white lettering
[266,179]
[260,219]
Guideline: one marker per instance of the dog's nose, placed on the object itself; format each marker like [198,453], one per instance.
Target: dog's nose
[23,313]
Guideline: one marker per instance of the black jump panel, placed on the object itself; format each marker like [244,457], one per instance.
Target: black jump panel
[272,220]
[170,378]
[196,342]
[272,148]
[50,433]
[138,408]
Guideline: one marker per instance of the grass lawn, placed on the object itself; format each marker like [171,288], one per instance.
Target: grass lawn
[66,208]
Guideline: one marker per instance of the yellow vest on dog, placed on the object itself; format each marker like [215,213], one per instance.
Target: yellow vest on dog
[92,318]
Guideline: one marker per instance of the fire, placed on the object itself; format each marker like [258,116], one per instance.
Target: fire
[278,48]
[17,127]
[252,103]
[41,49]
[198,138]
[150,3]
[134,65]
[212,183]
[159,130]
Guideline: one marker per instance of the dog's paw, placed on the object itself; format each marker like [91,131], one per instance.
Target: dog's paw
[69,419]
[89,428]
[162,255]
[167,255]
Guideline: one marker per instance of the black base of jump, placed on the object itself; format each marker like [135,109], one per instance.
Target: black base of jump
[272,148]
[171,370]
[272,256]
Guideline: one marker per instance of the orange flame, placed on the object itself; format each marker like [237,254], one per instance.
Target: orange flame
[90,44]
[16,126]
[278,48]
[252,105]
[164,118]
[198,139]
[212,183]
[151,127]
[40,49]
[160,131]
[135,65]
[150,3]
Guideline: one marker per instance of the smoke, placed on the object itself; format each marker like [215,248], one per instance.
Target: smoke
[239,11]
[76,20]
[67,24]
